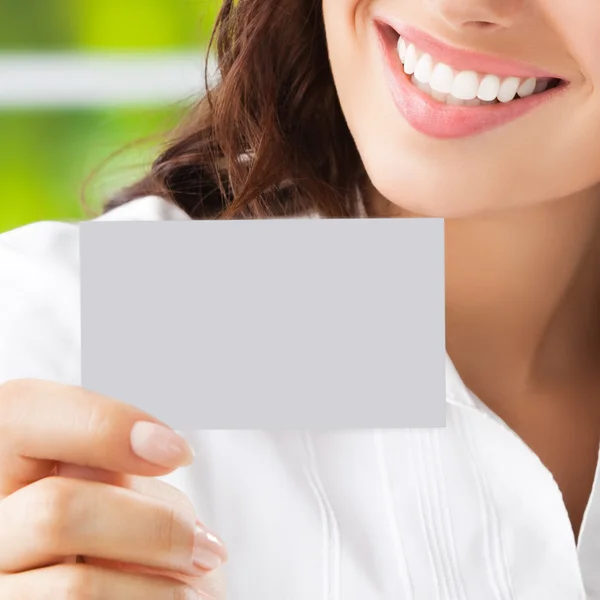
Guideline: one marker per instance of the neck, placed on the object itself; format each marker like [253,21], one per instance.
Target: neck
[523,295]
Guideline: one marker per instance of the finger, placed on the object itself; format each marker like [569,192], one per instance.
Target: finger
[160,490]
[154,488]
[58,517]
[43,423]
[66,582]
[147,486]
[91,474]
[210,582]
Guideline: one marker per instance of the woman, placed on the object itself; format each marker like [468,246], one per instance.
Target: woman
[484,112]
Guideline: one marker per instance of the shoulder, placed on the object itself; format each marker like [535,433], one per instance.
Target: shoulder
[39,293]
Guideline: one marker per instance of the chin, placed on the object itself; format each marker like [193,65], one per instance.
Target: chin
[435,208]
[410,193]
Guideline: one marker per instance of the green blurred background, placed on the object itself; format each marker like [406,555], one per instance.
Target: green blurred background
[48,151]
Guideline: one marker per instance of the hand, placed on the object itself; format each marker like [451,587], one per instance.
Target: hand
[75,479]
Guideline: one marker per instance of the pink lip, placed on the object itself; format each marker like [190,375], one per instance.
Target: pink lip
[443,121]
[463,60]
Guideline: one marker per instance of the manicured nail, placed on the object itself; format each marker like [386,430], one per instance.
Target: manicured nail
[209,550]
[160,445]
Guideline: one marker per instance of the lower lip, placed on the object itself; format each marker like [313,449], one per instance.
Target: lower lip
[444,121]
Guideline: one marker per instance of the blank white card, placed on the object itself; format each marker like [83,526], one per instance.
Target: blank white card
[267,324]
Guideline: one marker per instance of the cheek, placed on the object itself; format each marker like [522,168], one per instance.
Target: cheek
[355,67]
[339,19]
[342,29]
[578,24]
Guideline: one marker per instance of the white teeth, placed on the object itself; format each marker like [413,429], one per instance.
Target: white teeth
[453,101]
[439,96]
[410,60]
[442,78]
[401,49]
[424,68]
[422,86]
[465,86]
[508,89]
[527,87]
[489,88]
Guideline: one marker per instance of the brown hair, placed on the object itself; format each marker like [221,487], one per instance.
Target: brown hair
[269,138]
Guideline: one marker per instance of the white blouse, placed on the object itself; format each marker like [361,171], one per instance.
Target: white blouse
[467,512]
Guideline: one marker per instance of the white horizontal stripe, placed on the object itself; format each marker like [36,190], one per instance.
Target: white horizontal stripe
[96,80]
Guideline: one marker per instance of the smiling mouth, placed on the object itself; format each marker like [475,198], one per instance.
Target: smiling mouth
[447,83]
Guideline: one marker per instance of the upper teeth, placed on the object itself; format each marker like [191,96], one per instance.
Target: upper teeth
[462,87]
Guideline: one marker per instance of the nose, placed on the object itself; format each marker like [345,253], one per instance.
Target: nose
[477,14]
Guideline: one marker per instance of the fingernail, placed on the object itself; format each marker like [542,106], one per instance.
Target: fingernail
[160,445]
[209,550]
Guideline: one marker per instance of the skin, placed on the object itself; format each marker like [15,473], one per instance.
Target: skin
[73,485]
[522,326]
[522,210]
